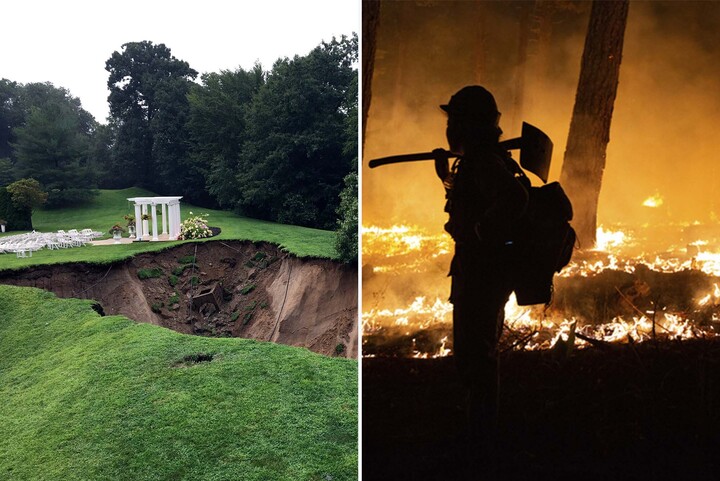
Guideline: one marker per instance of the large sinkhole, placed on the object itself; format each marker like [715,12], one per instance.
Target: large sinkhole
[219,289]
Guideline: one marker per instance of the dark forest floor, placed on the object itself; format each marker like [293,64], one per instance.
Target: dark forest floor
[647,411]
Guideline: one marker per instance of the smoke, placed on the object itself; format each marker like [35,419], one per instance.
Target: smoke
[663,142]
[667,111]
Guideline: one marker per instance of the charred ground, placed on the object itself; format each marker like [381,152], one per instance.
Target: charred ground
[262,293]
[638,411]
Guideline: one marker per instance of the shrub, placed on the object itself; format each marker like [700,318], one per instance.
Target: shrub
[18,218]
[174,299]
[173,280]
[247,289]
[156,306]
[247,317]
[234,316]
[194,227]
[149,273]
[339,349]
[187,260]
[194,280]
[180,269]
[27,194]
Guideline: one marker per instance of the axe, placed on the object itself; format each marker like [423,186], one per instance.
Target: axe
[535,152]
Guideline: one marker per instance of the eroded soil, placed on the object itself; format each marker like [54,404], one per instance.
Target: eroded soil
[263,293]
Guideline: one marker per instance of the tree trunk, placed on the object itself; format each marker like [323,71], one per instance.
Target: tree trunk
[521,67]
[589,134]
[370,21]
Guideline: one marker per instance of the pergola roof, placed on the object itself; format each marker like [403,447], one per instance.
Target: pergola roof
[155,200]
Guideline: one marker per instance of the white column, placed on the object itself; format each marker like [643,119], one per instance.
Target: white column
[164,219]
[145,228]
[154,221]
[176,217]
[171,221]
[138,223]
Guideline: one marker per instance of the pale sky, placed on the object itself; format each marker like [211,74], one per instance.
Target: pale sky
[67,42]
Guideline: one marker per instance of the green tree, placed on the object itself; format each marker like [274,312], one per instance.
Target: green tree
[52,147]
[11,115]
[293,162]
[44,133]
[346,236]
[216,127]
[99,155]
[27,194]
[6,172]
[170,147]
[146,81]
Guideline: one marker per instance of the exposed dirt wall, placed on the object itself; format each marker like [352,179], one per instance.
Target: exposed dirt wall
[260,292]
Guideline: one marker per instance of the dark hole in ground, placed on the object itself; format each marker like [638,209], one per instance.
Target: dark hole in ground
[196,358]
[97,307]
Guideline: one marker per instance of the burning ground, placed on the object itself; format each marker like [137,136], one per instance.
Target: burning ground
[617,293]
[617,379]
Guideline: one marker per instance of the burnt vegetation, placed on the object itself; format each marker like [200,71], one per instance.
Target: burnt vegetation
[641,411]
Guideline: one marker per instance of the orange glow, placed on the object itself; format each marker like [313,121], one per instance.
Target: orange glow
[653,201]
[407,253]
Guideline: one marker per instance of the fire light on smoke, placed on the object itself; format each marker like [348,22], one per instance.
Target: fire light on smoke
[404,254]
[653,201]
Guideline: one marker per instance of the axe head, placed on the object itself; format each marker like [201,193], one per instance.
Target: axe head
[535,150]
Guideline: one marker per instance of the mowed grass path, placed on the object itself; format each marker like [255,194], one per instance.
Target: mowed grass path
[84,397]
[111,205]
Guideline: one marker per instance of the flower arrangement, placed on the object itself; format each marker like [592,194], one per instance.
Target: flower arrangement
[145,217]
[3,222]
[130,218]
[117,228]
[194,227]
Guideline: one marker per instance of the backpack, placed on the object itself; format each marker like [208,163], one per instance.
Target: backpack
[544,243]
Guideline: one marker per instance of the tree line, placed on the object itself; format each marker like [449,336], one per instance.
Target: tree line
[279,145]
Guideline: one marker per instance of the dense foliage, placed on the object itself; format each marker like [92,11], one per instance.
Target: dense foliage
[27,194]
[45,134]
[16,218]
[274,145]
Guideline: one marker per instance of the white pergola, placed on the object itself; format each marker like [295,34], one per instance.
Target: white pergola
[170,216]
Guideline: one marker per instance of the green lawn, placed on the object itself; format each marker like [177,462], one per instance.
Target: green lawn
[84,397]
[110,207]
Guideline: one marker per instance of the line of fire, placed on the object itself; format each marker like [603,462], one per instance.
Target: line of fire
[618,377]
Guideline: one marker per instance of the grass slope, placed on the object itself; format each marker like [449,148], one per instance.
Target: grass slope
[84,397]
[111,205]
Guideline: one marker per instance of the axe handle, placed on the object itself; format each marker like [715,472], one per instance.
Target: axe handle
[510,144]
[394,159]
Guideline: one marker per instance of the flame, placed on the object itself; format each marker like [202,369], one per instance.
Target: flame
[607,240]
[405,250]
[653,201]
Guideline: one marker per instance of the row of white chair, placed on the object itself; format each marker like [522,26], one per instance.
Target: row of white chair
[23,245]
